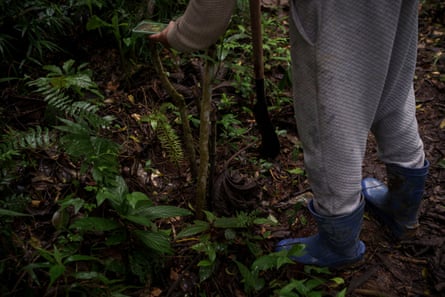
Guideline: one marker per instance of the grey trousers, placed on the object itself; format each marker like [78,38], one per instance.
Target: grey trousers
[353,64]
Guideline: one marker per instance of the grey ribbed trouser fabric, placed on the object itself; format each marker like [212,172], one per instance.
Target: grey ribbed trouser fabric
[353,66]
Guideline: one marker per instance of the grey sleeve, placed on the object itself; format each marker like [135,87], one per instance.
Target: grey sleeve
[201,25]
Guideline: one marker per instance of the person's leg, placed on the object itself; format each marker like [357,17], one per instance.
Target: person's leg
[395,125]
[396,131]
[341,55]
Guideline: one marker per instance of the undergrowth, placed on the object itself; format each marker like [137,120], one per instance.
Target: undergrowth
[71,225]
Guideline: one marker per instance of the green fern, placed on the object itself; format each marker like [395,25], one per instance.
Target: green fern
[167,136]
[63,87]
[100,155]
[14,142]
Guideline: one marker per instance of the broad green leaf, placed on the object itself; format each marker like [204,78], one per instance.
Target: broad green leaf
[342,293]
[53,69]
[55,272]
[288,289]
[197,228]
[314,283]
[229,234]
[5,212]
[94,224]
[309,269]
[77,203]
[296,171]
[296,250]
[156,241]
[68,66]
[77,258]
[229,223]
[135,197]
[338,280]
[283,260]
[141,220]
[95,22]
[251,280]
[210,216]
[265,263]
[204,263]
[93,275]
[266,221]
[160,212]
[205,272]
[57,255]
[271,261]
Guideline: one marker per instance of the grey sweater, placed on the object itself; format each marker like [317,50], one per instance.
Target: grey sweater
[203,22]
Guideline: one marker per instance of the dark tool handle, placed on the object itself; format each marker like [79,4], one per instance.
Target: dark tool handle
[270,145]
[257,38]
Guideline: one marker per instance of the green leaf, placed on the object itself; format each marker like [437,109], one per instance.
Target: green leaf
[140,220]
[309,269]
[271,261]
[205,272]
[160,212]
[204,263]
[251,280]
[197,228]
[53,69]
[68,65]
[77,203]
[95,22]
[55,272]
[229,223]
[94,224]
[210,216]
[314,283]
[135,197]
[296,171]
[338,280]
[265,262]
[342,293]
[77,258]
[229,234]
[266,221]
[5,212]
[93,275]
[156,241]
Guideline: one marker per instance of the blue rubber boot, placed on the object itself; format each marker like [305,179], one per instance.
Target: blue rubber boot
[337,242]
[397,205]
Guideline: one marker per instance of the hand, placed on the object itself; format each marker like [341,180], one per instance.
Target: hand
[162,36]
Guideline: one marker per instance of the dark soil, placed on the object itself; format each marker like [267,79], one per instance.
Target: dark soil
[411,268]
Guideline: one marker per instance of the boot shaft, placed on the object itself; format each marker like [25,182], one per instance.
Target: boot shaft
[406,187]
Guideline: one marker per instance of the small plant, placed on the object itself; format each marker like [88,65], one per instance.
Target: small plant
[170,141]
[312,286]
[63,87]
[231,126]
[135,230]
[235,230]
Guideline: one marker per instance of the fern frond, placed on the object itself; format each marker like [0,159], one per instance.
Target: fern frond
[7,151]
[63,86]
[167,136]
[14,142]
[35,138]
[170,141]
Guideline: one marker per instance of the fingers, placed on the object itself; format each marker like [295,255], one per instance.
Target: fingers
[161,37]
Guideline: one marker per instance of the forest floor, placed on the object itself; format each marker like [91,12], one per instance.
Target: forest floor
[411,268]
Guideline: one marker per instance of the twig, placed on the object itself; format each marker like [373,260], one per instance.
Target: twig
[204,135]
[180,103]
[368,292]
[410,260]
